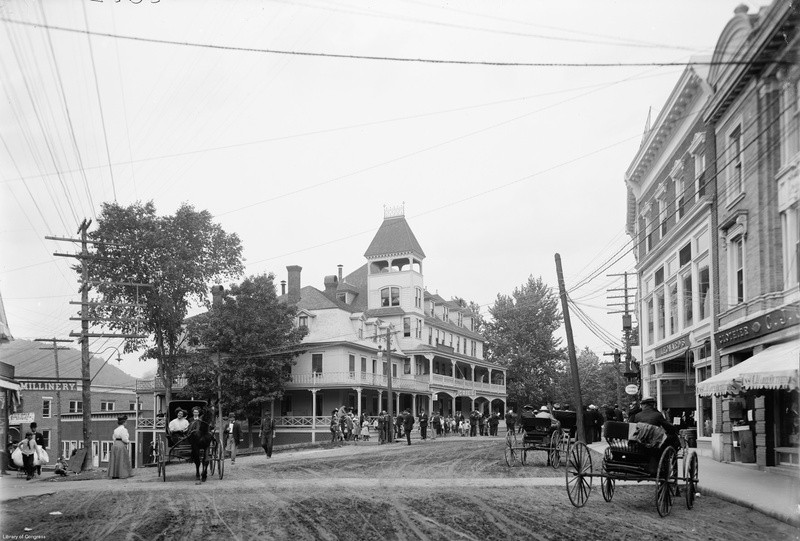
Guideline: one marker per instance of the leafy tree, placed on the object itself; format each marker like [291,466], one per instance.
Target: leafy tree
[473,307]
[520,337]
[601,383]
[177,256]
[255,337]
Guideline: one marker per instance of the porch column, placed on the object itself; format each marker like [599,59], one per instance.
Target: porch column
[432,400]
[413,403]
[358,400]
[313,415]
[380,401]
[453,411]
[397,404]
[472,377]
[453,366]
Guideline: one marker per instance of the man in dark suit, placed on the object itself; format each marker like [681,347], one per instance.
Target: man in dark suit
[423,425]
[267,433]
[408,424]
[650,415]
[39,439]
[232,436]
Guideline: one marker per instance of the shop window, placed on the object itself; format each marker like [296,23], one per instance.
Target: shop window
[789,419]
[687,300]
[704,290]
[46,408]
[407,327]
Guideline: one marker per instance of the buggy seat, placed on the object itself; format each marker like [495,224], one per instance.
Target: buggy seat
[537,429]
[626,452]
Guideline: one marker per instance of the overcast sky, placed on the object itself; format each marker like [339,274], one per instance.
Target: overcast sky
[499,164]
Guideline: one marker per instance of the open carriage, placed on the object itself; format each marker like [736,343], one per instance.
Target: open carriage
[178,447]
[635,452]
[537,435]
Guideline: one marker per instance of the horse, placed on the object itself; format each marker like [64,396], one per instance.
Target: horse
[200,435]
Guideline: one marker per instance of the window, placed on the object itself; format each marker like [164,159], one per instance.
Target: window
[46,407]
[407,366]
[418,297]
[460,319]
[390,296]
[106,406]
[352,365]
[430,336]
[473,348]
[673,308]
[451,340]
[437,337]
[303,321]
[699,176]
[363,364]
[407,327]
[735,167]
[790,233]
[736,270]
[686,298]
[659,276]
[445,313]
[703,290]
[418,333]
[458,343]
[650,320]
[680,198]
[394,370]
[374,366]
[685,255]
[105,449]
[316,363]
[46,435]
[75,406]
[132,406]
[660,309]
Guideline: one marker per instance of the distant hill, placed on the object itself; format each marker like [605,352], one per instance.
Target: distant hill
[31,362]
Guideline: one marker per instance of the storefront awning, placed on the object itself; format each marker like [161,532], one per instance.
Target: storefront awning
[774,368]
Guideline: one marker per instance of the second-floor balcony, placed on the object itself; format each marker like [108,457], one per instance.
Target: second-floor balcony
[156,385]
[408,383]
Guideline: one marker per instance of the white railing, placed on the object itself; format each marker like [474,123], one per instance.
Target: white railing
[419,383]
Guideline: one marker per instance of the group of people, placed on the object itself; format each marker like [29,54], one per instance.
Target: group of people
[30,453]
[346,425]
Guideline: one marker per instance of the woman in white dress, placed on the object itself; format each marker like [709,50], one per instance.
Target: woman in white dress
[119,462]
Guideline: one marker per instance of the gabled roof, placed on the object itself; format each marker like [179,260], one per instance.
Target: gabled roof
[5,332]
[31,362]
[356,282]
[394,236]
[385,311]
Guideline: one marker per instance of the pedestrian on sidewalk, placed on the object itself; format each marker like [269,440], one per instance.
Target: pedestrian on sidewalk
[511,420]
[423,425]
[408,425]
[267,433]
[28,449]
[119,461]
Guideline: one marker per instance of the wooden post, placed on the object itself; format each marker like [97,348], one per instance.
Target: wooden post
[573,362]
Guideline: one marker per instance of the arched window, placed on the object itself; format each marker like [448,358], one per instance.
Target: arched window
[390,296]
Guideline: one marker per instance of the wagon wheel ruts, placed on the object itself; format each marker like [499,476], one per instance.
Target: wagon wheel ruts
[553,453]
[579,474]
[607,483]
[666,481]
[509,452]
[690,475]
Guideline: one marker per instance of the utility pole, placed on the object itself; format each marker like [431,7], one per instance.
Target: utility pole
[573,361]
[55,349]
[632,373]
[84,335]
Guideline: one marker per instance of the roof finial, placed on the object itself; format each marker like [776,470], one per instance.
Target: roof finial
[395,211]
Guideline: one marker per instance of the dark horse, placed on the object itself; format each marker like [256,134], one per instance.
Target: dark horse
[200,435]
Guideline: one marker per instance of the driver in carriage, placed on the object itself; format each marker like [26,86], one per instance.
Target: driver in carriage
[544,413]
[179,425]
[651,416]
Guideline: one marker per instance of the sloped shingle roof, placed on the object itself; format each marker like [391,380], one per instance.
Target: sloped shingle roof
[394,236]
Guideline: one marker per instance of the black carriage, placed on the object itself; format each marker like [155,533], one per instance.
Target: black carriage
[538,434]
[629,457]
[176,447]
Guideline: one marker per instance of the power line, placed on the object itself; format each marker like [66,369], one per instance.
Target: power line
[490,63]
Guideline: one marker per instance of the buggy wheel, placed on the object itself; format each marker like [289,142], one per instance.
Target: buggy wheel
[162,459]
[553,454]
[579,474]
[607,484]
[510,453]
[666,481]
[691,476]
[221,468]
[523,456]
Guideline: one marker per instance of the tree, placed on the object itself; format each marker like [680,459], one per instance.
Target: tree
[475,308]
[178,256]
[520,337]
[255,337]
[601,382]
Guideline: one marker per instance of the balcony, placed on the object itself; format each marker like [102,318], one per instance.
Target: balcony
[156,385]
[419,383]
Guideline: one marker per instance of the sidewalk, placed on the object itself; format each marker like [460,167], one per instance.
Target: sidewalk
[772,494]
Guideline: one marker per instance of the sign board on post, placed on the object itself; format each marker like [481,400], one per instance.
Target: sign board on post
[632,389]
[21,418]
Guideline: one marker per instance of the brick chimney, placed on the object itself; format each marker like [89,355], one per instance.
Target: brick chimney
[283,287]
[294,283]
[340,271]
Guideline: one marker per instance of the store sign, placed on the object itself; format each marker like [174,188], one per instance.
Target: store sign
[768,323]
[48,385]
[632,389]
[21,418]
[680,345]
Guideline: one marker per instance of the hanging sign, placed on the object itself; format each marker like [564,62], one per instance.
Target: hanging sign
[632,389]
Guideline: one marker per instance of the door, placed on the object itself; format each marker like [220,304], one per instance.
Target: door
[96,454]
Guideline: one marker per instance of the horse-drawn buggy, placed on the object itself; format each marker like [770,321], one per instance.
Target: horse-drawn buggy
[198,442]
[636,452]
[540,434]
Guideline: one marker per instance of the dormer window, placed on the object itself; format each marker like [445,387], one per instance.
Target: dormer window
[460,319]
[418,297]
[445,313]
[390,296]
[303,321]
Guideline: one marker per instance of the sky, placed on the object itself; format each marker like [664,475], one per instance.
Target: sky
[295,123]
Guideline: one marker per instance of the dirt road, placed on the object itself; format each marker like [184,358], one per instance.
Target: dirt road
[448,489]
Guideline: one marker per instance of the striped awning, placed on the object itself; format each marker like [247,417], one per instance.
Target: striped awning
[776,367]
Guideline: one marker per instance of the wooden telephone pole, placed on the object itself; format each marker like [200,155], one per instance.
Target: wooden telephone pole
[573,361]
[55,349]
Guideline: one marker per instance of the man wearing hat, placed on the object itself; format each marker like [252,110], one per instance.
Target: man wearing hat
[652,416]
[544,413]
[232,436]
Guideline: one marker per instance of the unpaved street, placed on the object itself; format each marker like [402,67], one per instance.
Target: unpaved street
[449,489]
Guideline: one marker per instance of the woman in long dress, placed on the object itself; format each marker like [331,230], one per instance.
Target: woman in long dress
[119,462]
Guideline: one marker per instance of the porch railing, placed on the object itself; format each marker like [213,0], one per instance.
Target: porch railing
[411,383]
